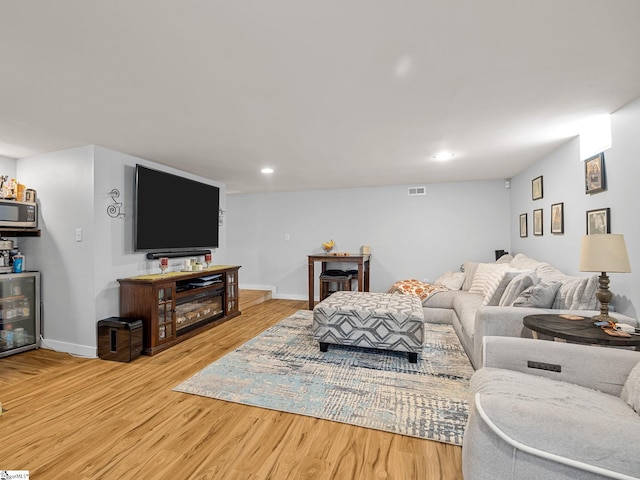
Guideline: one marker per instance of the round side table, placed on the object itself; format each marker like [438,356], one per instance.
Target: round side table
[577,331]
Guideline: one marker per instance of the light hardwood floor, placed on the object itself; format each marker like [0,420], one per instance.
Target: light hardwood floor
[75,418]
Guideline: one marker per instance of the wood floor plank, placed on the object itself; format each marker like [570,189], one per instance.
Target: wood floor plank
[69,417]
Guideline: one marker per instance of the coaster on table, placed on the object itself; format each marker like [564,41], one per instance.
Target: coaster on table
[568,316]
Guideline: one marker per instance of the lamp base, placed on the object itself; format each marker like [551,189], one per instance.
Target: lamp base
[603,318]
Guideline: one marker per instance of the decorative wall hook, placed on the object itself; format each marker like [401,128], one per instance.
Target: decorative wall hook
[113,210]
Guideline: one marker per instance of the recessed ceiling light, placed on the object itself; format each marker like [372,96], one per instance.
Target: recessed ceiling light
[444,155]
[267,170]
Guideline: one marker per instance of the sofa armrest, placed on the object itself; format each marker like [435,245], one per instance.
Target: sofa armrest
[507,322]
[601,368]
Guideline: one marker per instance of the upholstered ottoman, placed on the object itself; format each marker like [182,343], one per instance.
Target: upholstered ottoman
[374,320]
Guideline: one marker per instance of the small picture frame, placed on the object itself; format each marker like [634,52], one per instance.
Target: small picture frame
[594,177]
[537,222]
[557,218]
[536,188]
[523,225]
[599,221]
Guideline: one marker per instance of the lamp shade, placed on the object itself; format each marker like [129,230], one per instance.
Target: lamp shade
[604,252]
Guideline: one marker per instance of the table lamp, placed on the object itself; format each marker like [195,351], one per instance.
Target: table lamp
[604,252]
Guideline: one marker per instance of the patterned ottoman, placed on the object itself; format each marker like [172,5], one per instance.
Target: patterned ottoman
[374,320]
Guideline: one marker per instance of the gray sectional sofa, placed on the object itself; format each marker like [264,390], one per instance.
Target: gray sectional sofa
[494,298]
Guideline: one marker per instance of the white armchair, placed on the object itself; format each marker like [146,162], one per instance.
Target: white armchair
[533,423]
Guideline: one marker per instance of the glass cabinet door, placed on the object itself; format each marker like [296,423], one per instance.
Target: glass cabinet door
[19,312]
[231,301]
[165,327]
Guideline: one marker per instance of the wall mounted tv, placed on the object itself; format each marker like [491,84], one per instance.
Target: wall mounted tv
[174,213]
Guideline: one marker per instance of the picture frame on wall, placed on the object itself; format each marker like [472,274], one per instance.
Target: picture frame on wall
[557,218]
[594,174]
[536,188]
[537,222]
[599,221]
[523,225]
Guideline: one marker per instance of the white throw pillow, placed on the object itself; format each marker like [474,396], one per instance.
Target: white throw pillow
[487,276]
[631,389]
[451,280]
[496,290]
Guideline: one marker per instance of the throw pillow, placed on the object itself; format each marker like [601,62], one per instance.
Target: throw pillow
[522,262]
[519,284]
[487,274]
[469,270]
[631,389]
[541,295]
[577,293]
[451,280]
[496,290]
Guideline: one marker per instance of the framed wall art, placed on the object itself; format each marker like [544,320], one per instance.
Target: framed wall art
[523,225]
[594,175]
[557,218]
[536,188]
[537,222]
[599,221]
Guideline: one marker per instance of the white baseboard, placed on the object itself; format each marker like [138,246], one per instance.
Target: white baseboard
[70,348]
[290,296]
[258,287]
[274,294]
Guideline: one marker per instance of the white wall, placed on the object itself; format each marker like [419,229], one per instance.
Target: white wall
[410,237]
[563,181]
[64,184]
[8,166]
[79,284]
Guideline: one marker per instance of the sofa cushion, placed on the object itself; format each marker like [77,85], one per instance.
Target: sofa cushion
[451,280]
[519,284]
[487,276]
[466,305]
[540,295]
[549,416]
[441,299]
[631,389]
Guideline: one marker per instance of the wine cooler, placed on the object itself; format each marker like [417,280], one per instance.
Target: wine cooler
[19,312]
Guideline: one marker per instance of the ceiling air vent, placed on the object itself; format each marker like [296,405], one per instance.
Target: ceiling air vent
[417,191]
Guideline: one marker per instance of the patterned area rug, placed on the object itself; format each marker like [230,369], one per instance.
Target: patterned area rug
[283,369]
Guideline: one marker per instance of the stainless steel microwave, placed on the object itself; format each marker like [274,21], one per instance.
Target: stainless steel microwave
[18,214]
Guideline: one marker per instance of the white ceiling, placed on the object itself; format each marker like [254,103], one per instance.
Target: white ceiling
[330,93]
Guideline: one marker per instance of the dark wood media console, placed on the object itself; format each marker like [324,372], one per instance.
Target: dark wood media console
[177,305]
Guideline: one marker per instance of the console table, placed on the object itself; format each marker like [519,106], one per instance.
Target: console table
[576,331]
[177,305]
[361,260]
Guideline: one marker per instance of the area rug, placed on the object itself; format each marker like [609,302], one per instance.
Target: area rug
[283,369]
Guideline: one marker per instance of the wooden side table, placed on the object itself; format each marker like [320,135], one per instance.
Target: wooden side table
[577,331]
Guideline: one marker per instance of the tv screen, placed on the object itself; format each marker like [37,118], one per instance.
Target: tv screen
[174,213]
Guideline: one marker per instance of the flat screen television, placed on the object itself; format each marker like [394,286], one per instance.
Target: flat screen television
[174,213]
